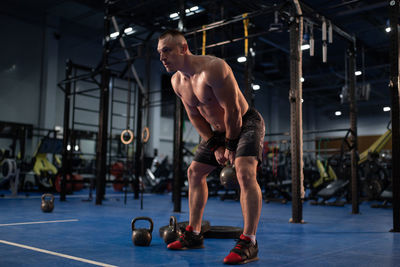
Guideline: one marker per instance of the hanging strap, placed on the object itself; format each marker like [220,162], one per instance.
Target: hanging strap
[246,33]
[203,48]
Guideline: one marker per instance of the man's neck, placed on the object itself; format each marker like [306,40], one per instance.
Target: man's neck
[188,68]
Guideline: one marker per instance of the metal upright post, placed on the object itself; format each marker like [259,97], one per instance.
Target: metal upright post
[353,127]
[178,156]
[394,88]
[178,123]
[101,153]
[296,120]
[138,155]
[66,154]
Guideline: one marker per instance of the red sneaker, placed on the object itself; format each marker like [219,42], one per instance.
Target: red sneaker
[243,252]
[187,240]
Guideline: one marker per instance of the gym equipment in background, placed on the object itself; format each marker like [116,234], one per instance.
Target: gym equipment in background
[374,176]
[10,172]
[276,174]
[45,171]
[158,178]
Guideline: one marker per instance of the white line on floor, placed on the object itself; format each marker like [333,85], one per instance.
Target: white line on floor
[57,254]
[9,224]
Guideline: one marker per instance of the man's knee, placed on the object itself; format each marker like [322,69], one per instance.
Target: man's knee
[191,172]
[198,171]
[246,171]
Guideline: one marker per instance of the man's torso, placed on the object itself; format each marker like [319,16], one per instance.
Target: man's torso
[195,92]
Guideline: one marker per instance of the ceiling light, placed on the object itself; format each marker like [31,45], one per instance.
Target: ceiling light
[338,113]
[188,11]
[241,59]
[305,46]
[174,15]
[129,31]
[386,109]
[256,87]
[114,35]
[358,73]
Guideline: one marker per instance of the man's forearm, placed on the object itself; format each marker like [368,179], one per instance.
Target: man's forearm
[233,124]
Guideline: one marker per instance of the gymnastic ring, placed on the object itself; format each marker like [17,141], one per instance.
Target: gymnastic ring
[130,138]
[9,168]
[145,135]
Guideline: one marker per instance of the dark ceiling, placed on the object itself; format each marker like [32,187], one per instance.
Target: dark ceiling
[365,20]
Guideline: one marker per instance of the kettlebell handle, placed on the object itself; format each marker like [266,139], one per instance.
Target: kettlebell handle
[173,223]
[51,196]
[145,219]
[228,164]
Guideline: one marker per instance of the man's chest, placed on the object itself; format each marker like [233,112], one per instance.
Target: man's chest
[196,92]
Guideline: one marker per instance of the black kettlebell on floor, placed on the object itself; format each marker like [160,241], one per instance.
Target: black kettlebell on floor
[47,203]
[171,234]
[142,236]
[228,177]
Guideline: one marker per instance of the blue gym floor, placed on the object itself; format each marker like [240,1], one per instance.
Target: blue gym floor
[78,232]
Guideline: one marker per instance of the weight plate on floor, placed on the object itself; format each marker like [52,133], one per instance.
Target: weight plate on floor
[223,232]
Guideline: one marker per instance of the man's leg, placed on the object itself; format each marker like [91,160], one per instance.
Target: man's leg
[250,194]
[246,248]
[198,192]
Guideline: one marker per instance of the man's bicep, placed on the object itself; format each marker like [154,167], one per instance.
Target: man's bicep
[223,83]
[226,94]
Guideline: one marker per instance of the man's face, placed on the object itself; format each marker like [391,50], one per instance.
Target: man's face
[170,54]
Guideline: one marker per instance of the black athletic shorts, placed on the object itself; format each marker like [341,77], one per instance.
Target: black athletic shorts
[251,140]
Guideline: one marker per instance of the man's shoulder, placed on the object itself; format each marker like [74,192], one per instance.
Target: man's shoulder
[175,78]
[176,81]
[212,60]
[215,68]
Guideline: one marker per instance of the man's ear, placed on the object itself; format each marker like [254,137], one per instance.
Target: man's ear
[184,48]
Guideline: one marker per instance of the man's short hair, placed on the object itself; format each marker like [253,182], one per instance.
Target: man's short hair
[172,32]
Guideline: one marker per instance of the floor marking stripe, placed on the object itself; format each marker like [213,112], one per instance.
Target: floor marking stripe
[9,224]
[57,254]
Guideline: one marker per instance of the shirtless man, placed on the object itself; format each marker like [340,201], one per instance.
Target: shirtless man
[230,131]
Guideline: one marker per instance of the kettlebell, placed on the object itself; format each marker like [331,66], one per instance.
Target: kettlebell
[171,234]
[228,177]
[142,236]
[47,204]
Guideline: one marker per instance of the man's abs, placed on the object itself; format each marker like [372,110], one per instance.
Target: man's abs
[214,115]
